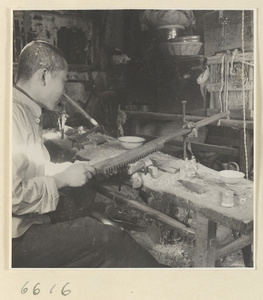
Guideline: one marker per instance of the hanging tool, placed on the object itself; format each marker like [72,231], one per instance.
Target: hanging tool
[202,81]
[111,165]
[81,110]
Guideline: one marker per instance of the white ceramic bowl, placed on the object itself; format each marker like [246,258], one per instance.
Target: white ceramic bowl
[230,177]
[131,142]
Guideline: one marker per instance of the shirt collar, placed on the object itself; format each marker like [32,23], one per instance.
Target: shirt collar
[26,102]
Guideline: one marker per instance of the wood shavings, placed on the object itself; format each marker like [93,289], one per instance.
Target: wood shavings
[172,255]
[165,182]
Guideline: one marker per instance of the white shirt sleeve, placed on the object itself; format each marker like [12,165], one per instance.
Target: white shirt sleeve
[32,191]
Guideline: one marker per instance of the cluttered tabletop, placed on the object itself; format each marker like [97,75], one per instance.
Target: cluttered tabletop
[216,198]
[187,182]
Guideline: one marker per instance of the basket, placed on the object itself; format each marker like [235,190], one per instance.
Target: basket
[180,48]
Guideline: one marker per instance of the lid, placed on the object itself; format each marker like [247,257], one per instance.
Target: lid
[189,38]
[170,26]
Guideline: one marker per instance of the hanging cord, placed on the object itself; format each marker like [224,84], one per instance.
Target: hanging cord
[232,62]
[227,98]
[244,102]
[222,82]
[226,85]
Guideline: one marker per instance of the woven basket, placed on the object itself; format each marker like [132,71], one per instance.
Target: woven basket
[178,48]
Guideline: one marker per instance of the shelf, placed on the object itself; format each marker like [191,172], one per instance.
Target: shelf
[179,118]
[178,58]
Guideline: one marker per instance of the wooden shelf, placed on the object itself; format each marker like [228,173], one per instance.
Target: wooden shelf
[182,58]
[179,118]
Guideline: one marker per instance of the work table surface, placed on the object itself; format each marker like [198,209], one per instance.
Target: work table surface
[168,187]
[208,203]
[169,190]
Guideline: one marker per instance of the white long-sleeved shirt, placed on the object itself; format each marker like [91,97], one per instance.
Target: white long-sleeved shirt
[33,192]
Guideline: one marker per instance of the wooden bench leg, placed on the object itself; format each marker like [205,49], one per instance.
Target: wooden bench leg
[205,252]
[247,256]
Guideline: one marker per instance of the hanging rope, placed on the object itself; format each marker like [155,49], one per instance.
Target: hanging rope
[226,87]
[222,82]
[232,62]
[244,102]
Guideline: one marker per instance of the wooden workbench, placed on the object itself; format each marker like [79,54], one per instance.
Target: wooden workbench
[207,205]
[209,211]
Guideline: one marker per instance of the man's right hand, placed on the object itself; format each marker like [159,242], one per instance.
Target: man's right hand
[76,175]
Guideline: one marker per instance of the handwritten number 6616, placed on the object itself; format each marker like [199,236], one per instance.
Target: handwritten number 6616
[36,289]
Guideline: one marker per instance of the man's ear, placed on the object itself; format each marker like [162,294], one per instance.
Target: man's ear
[43,76]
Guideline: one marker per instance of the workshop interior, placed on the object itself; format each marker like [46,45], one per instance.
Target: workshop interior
[161,103]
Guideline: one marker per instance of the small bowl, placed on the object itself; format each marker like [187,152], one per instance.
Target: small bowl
[230,177]
[131,142]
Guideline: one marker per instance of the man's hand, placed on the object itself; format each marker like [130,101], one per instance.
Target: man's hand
[76,175]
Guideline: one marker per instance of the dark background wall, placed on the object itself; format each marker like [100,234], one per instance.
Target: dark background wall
[111,53]
[112,43]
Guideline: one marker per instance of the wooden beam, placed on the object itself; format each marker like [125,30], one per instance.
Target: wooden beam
[209,148]
[233,246]
[201,147]
[162,116]
[235,115]
[179,118]
[148,210]
[237,124]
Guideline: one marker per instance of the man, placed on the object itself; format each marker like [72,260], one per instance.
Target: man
[83,242]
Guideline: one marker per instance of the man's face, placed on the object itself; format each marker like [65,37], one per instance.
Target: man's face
[54,88]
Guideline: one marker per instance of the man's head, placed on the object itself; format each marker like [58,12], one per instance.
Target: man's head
[42,72]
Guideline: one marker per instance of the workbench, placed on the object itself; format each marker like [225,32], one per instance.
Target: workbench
[206,204]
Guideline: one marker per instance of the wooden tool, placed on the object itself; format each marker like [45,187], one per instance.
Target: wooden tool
[141,165]
[192,186]
[110,165]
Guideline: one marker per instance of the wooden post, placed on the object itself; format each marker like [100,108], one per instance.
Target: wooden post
[205,252]
[247,256]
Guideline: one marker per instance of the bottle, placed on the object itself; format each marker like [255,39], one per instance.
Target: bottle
[227,198]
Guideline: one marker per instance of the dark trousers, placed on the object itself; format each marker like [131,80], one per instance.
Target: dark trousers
[79,243]
[76,240]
